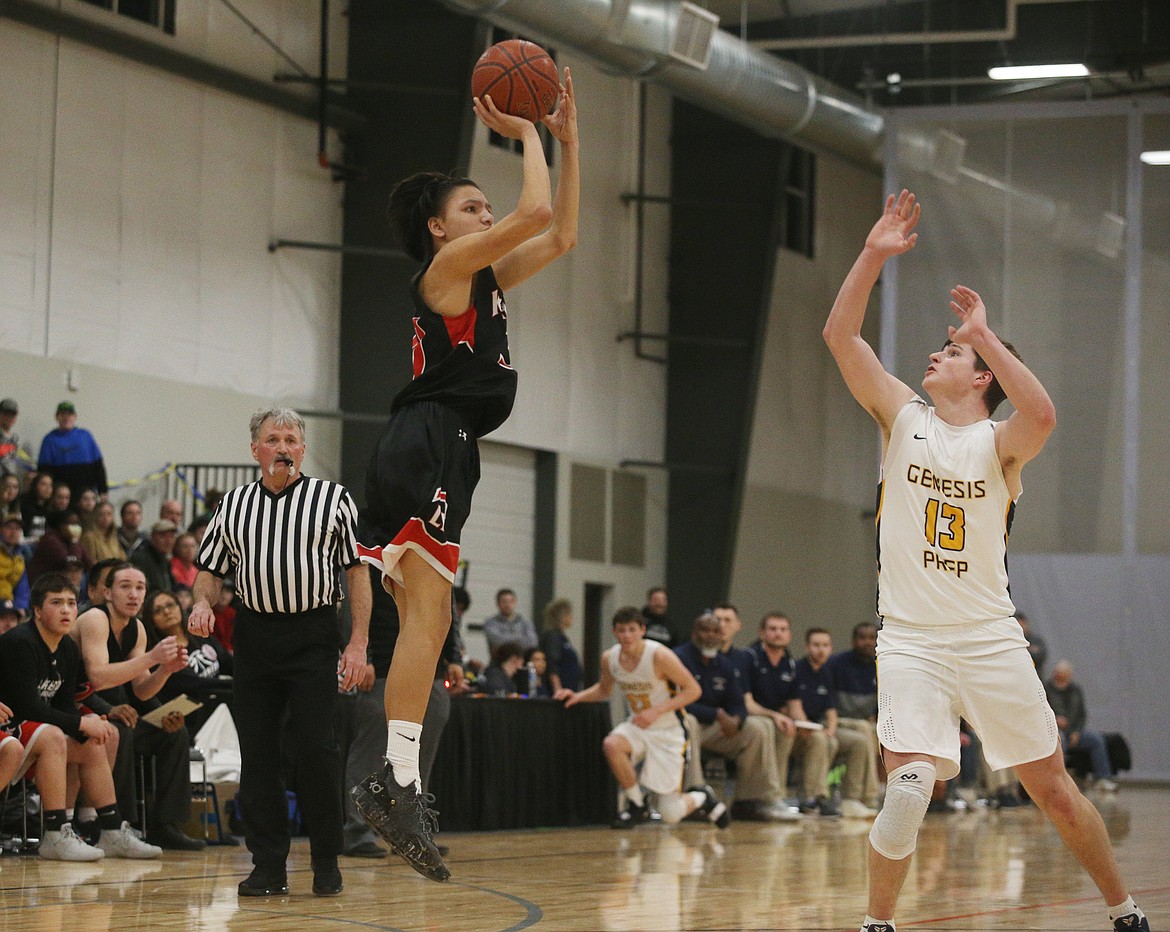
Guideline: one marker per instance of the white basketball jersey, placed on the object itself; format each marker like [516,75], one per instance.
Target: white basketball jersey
[641,686]
[944,513]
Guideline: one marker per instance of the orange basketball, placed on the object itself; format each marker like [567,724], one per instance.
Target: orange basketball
[520,77]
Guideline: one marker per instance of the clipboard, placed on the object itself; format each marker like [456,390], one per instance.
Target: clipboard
[180,704]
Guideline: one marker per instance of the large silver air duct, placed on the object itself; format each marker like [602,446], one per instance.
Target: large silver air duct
[667,42]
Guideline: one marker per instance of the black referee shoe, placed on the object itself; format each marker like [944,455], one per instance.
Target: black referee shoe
[264,883]
[402,817]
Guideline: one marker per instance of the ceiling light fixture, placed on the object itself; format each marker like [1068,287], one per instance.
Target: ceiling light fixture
[1155,157]
[1029,72]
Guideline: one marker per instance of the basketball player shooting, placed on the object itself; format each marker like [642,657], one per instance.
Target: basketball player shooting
[425,466]
[949,646]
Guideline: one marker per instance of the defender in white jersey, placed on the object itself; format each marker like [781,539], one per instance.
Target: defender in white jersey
[948,645]
[657,687]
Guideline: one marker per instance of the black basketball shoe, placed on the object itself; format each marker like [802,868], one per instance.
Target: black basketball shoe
[635,815]
[403,817]
[1131,923]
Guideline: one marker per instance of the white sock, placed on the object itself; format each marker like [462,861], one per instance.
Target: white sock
[1128,908]
[69,815]
[697,797]
[870,921]
[86,814]
[634,795]
[402,740]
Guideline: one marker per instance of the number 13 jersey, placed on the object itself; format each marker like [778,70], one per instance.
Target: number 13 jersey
[641,686]
[943,518]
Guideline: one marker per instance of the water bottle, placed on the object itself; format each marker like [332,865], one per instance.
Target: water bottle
[533,681]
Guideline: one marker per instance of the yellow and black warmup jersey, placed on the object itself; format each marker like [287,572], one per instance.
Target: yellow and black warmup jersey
[642,687]
[944,513]
[463,362]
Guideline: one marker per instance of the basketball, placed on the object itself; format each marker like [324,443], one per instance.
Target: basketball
[520,77]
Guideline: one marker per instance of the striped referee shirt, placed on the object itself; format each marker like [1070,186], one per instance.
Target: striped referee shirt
[287,551]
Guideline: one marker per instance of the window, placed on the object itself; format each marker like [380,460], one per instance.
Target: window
[157,13]
[796,214]
[546,138]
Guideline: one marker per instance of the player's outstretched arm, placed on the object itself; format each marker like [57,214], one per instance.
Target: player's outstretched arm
[1023,434]
[533,255]
[876,390]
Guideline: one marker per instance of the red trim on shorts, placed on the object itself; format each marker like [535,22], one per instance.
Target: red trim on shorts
[414,532]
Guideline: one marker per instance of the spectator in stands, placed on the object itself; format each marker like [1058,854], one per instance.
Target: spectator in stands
[773,695]
[171,510]
[115,654]
[656,687]
[9,495]
[730,625]
[1068,702]
[154,557]
[87,502]
[35,504]
[818,698]
[508,625]
[130,533]
[71,455]
[211,500]
[75,571]
[16,457]
[97,584]
[545,686]
[654,611]
[62,495]
[14,581]
[855,672]
[198,527]
[460,603]
[564,666]
[40,673]
[498,677]
[725,728]
[101,539]
[10,616]
[185,596]
[183,568]
[1036,644]
[207,660]
[62,539]
[225,614]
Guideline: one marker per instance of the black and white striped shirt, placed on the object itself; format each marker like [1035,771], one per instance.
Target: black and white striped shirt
[287,551]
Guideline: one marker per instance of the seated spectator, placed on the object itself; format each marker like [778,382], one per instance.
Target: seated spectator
[154,557]
[563,662]
[545,686]
[130,533]
[828,745]
[14,582]
[10,617]
[725,728]
[1068,702]
[730,626]
[9,494]
[100,540]
[183,568]
[115,655]
[16,457]
[208,663]
[498,677]
[855,673]
[171,510]
[35,504]
[71,455]
[62,497]
[185,597]
[1037,646]
[654,611]
[86,504]
[61,540]
[225,614]
[198,527]
[656,687]
[773,696]
[40,674]
[74,571]
[508,625]
[97,583]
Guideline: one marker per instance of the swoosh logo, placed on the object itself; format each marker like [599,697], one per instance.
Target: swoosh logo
[407,737]
[918,437]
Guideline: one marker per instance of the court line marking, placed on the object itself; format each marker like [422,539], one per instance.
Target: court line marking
[1019,909]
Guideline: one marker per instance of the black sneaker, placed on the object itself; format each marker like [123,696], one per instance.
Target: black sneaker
[713,808]
[1131,923]
[878,927]
[264,883]
[326,877]
[635,815]
[403,817]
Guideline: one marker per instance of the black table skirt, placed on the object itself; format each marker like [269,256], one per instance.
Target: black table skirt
[522,763]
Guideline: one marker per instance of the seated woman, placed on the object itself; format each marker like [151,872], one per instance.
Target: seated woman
[497,677]
[208,664]
[544,676]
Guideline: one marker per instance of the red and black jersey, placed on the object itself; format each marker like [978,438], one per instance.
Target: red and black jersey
[463,362]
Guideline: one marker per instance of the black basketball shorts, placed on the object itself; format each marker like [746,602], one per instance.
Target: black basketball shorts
[418,489]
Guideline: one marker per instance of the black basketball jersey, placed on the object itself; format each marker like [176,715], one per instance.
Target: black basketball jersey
[463,362]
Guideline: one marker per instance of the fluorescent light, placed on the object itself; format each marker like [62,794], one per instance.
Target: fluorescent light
[1156,158]
[1026,72]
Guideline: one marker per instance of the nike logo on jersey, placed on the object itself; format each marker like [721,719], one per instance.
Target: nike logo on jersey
[919,437]
[407,737]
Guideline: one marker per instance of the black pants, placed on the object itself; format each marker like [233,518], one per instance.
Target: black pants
[287,662]
[172,787]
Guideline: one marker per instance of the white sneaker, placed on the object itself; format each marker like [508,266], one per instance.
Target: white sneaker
[856,809]
[1107,785]
[123,843]
[65,845]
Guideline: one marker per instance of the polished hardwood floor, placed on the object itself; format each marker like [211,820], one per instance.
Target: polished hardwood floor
[989,870]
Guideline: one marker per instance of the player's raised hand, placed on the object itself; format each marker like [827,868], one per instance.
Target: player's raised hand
[972,314]
[894,234]
[562,122]
[512,127]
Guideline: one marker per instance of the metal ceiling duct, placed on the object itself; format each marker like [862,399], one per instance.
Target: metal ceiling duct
[640,38]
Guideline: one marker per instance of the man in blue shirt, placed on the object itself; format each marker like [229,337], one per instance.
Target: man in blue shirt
[725,727]
[70,454]
[855,673]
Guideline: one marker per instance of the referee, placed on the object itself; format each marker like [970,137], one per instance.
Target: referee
[287,538]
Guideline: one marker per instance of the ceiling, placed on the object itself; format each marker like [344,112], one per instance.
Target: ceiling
[941,49]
